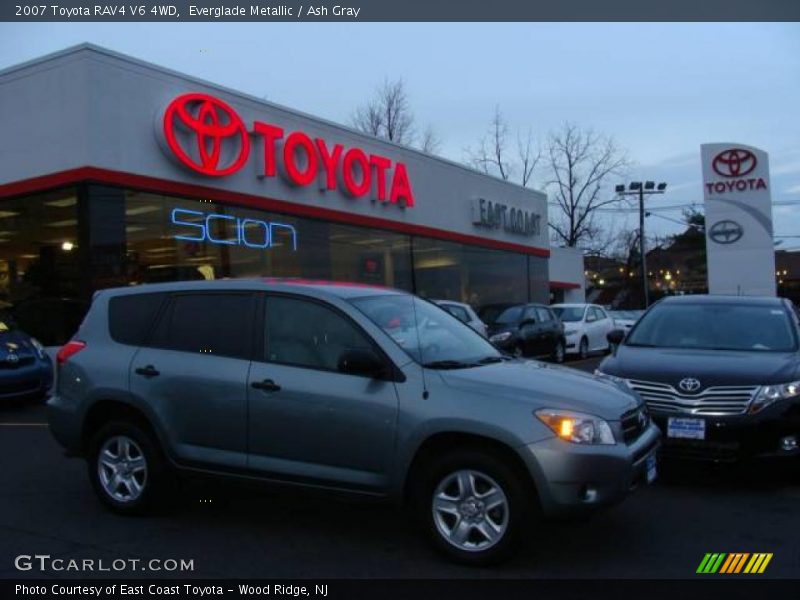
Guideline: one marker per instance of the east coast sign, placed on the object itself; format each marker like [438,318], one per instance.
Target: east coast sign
[207,136]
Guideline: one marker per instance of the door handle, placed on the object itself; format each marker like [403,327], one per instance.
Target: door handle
[148,371]
[267,385]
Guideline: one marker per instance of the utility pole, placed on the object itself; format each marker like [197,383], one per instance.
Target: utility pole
[638,189]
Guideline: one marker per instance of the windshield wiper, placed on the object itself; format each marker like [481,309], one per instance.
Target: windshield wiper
[448,364]
[488,360]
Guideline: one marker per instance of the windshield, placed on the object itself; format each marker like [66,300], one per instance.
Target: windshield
[428,334]
[510,315]
[715,327]
[569,313]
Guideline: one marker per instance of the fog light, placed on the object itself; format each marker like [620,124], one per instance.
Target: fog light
[789,443]
[588,494]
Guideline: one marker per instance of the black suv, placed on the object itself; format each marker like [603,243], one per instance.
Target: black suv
[529,330]
[720,374]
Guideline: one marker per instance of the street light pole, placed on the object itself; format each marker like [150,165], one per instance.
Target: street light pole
[642,253]
[641,189]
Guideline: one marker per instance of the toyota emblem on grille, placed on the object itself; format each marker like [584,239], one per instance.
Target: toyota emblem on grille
[642,419]
[689,384]
[12,358]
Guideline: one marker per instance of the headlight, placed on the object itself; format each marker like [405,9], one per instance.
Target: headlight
[570,331]
[500,337]
[768,394]
[37,345]
[576,427]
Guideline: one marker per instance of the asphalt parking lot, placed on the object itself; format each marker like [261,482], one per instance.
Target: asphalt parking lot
[663,531]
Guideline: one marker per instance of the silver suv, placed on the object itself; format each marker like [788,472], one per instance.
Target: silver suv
[345,387]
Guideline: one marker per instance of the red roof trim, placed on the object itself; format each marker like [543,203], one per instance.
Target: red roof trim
[153,184]
[564,285]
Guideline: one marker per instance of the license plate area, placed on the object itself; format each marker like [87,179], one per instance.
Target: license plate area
[651,468]
[686,428]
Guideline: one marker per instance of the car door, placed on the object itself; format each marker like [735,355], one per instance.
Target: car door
[597,329]
[307,419]
[604,324]
[549,330]
[589,326]
[192,373]
[530,332]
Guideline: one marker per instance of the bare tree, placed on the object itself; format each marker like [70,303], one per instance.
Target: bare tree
[580,162]
[388,115]
[429,141]
[493,156]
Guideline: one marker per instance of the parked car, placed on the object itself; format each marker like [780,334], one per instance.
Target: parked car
[26,371]
[529,330]
[625,319]
[349,388]
[585,327]
[465,314]
[720,374]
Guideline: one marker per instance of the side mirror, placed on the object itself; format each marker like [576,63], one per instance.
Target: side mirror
[615,336]
[361,362]
[527,322]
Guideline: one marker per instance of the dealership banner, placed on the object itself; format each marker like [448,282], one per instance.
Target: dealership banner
[738,209]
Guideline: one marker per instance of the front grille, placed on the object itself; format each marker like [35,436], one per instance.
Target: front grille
[718,400]
[634,422]
[21,362]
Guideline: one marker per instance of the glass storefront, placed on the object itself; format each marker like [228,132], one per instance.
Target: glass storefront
[57,248]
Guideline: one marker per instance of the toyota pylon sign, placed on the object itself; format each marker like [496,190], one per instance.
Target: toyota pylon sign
[738,207]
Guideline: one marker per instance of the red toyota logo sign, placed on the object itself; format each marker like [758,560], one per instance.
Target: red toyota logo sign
[206,134]
[735,162]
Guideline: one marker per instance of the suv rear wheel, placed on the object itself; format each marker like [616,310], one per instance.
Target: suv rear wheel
[472,506]
[126,468]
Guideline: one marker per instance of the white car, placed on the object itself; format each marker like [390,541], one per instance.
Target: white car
[585,327]
[465,314]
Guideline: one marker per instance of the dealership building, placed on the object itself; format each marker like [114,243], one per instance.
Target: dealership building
[116,172]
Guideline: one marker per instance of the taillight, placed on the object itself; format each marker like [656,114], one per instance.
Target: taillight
[69,349]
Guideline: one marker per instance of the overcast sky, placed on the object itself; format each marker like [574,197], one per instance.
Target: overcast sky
[660,89]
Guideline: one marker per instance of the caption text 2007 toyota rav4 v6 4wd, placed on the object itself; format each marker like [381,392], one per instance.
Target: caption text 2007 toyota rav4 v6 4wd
[346,387]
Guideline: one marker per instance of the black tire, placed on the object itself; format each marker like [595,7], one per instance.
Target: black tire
[583,348]
[519,495]
[559,352]
[157,484]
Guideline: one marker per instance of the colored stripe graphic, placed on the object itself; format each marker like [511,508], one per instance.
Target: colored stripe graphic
[711,562]
[733,563]
[758,563]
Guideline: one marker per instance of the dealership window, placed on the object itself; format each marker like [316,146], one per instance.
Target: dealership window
[171,238]
[476,276]
[40,275]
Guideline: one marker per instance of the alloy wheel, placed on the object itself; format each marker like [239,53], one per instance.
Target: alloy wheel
[122,469]
[470,510]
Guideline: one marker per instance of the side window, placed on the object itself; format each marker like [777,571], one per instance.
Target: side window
[591,316]
[130,317]
[530,314]
[458,312]
[600,313]
[309,334]
[544,315]
[208,323]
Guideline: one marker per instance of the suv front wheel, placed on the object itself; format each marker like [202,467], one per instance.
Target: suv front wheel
[126,468]
[473,506]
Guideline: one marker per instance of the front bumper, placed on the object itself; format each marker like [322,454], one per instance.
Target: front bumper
[29,381]
[737,437]
[575,478]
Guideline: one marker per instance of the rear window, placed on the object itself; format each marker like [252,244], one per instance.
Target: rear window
[130,317]
[208,323]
